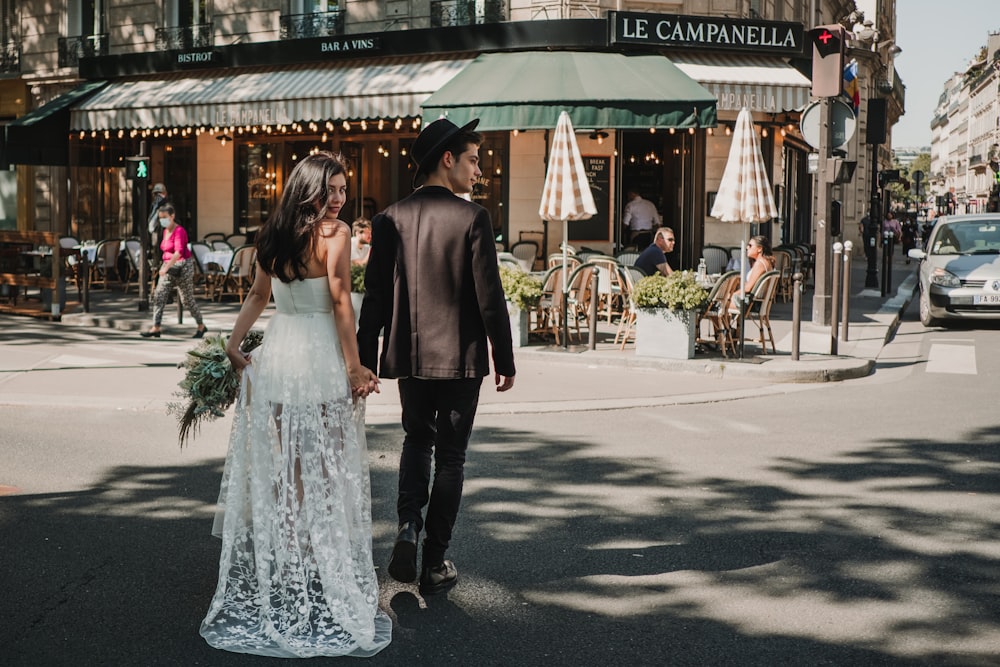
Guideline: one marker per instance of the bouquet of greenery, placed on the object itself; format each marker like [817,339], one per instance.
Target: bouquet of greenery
[210,384]
[521,289]
[678,291]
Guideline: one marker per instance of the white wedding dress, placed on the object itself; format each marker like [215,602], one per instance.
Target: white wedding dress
[296,577]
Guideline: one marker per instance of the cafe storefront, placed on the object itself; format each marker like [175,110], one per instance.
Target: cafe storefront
[225,126]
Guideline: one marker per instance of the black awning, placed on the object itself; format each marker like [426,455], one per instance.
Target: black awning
[42,135]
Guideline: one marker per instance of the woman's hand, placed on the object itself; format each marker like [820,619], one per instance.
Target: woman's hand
[363,381]
[237,357]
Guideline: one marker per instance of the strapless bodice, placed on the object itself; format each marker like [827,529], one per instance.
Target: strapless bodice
[311,295]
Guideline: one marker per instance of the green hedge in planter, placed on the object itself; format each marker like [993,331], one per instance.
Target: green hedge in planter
[520,288]
[678,291]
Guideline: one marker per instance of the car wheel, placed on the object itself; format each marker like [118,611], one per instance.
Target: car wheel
[925,311]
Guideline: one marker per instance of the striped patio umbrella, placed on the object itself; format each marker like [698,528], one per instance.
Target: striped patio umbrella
[566,194]
[744,193]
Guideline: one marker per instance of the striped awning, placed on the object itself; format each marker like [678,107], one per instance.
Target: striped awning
[759,83]
[347,90]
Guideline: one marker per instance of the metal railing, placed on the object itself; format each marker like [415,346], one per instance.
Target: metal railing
[183,37]
[446,13]
[317,24]
[71,49]
[10,57]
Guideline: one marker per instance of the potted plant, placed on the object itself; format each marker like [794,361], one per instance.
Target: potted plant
[666,314]
[523,293]
[357,290]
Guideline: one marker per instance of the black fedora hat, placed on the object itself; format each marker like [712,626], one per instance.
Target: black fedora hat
[430,144]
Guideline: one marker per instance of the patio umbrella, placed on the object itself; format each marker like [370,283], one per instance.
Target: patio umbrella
[744,193]
[566,194]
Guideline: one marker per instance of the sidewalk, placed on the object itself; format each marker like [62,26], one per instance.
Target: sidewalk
[873,321]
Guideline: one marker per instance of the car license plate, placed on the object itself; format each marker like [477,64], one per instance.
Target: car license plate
[986,299]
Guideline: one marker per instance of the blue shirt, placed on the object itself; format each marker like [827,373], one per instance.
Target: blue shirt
[650,258]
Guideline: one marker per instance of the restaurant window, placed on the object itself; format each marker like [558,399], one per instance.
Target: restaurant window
[489,191]
[257,193]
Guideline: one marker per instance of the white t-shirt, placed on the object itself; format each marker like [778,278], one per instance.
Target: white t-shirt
[640,214]
[360,253]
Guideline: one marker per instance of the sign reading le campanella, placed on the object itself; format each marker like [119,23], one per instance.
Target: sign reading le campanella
[708,32]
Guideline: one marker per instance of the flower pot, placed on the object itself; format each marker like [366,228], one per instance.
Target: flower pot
[662,332]
[518,325]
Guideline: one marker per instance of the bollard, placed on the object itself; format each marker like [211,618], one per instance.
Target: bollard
[84,269]
[885,262]
[838,247]
[592,333]
[846,281]
[796,313]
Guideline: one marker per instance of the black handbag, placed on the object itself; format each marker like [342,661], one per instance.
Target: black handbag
[175,271]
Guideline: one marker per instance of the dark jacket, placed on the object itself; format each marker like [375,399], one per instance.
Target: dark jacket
[432,282]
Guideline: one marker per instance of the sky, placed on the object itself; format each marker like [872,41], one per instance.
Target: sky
[938,38]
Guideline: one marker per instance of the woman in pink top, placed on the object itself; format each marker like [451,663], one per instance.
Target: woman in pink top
[177,270]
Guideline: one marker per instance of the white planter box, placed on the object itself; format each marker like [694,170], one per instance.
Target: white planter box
[665,333]
[518,325]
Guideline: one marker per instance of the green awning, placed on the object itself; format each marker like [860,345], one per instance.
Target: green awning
[527,90]
[42,135]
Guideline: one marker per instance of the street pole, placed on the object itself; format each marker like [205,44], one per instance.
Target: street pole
[824,194]
[872,231]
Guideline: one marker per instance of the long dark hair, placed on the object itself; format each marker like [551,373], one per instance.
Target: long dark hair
[285,239]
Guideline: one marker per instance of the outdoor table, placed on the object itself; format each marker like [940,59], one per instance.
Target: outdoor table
[221,257]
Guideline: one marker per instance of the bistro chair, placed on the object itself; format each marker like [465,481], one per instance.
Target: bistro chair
[627,258]
[630,275]
[221,245]
[609,284]
[783,265]
[209,273]
[133,252]
[549,309]
[756,308]
[716,258]
[236,240]
[213,236]
[105,262]
[556,259]
[526,252]
[716,313]
[239,277]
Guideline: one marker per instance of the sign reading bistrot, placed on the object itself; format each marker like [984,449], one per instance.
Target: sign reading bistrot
[707,32]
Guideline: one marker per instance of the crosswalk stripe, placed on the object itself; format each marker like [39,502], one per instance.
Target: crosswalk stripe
[957,359]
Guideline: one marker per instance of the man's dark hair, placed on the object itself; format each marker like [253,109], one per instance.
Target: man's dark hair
[461,142]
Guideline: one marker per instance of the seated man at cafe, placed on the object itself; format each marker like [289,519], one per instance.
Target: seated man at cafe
[653,259]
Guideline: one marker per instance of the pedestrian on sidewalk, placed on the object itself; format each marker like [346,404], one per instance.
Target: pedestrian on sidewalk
[891,226]
[160,197]
[433,284]
[176,271]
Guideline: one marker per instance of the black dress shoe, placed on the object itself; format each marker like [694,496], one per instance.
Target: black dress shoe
[403,561]
[149,334]
[199,333]
[438,578]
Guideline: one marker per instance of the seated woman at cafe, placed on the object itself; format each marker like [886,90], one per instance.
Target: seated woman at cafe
[760,255]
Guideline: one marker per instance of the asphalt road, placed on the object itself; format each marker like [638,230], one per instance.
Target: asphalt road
[845,523]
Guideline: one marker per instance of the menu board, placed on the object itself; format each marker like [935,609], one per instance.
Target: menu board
[596,228]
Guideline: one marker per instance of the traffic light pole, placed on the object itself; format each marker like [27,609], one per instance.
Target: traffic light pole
[824,192]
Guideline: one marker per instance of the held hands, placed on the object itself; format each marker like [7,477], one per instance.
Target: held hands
[363,382]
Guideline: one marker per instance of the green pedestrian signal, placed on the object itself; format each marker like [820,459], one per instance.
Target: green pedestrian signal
[137,168]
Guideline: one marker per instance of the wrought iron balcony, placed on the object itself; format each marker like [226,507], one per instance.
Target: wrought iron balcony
[71,49]
[466,12]
[317,24]
[10,57]
[181,38]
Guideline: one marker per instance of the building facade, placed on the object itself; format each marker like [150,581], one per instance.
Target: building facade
[225,96]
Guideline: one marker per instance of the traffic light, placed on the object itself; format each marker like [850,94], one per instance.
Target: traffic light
[137,168]
[828,60]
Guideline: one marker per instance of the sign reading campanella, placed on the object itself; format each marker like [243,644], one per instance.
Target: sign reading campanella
[708,32]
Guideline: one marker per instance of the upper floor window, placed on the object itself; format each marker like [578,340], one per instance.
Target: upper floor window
[85,32]
[187,25]
[312,18]
[466,12]
[10,42]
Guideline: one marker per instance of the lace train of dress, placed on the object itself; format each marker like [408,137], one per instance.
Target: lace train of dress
[296,577]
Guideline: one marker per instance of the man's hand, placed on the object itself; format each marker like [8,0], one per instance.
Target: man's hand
[503,382]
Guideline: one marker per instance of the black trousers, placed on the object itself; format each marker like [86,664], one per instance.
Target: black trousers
[437,419]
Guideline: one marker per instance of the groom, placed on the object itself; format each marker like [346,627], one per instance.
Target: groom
[432,282]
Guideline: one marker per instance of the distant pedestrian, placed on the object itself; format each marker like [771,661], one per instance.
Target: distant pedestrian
[176,271]
[160,197]
[639,218]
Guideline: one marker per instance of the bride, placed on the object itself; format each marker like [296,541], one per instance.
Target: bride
[296,577]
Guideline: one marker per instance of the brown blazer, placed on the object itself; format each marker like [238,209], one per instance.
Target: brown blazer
[432,282]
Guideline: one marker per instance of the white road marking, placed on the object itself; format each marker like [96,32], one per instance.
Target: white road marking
[958,359]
